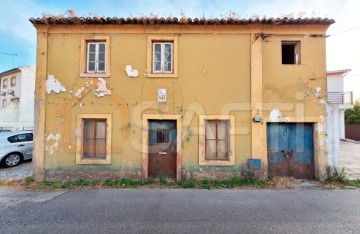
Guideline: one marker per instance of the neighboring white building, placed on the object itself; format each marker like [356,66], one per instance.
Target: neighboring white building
[17,87]
[337,102]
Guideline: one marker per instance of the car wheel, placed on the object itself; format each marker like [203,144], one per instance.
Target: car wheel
[11,160]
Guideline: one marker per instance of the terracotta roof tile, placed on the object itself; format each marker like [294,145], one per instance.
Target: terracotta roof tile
[189,21]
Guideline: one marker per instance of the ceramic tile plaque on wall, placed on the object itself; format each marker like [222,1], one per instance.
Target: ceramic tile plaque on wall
[161,97]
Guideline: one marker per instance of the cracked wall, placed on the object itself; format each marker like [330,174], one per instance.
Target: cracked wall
[215,76]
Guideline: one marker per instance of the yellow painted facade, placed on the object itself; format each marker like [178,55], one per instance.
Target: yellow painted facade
[220,70]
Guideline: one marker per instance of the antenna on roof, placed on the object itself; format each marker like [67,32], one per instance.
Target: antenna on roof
[13,56]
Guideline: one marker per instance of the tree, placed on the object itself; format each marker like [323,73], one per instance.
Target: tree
[352,116]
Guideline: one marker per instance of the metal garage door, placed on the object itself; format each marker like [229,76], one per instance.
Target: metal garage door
[290,150]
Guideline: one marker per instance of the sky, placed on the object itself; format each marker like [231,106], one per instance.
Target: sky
[18,36]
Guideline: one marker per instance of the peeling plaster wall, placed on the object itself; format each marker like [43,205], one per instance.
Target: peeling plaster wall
[298,91]
[214,78]
[124,97]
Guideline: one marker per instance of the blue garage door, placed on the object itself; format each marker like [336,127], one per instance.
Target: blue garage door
[290,150]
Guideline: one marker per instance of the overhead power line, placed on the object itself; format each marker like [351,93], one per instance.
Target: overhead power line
[347,30]
[13,56]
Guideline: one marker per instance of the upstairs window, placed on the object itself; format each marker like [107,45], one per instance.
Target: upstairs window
[290,51]
[5,83]
[96,57]
[162,57]
[13,81]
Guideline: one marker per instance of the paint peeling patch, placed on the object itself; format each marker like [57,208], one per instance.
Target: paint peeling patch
[322,101]
[54,85]
[319,128]
[55,137]
[79,92]
[52,148]
[131,72]
[275,115]
[101,89]
[322,118]
[317,92]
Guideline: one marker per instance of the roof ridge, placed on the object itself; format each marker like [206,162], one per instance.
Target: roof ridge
[58,20]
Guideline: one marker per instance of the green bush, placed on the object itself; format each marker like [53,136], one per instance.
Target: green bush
[352,116]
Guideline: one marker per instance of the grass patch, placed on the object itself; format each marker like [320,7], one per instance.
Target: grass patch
[353,183]
[29,179]
[205,184]
[122,183]
[162,180]
[190,183]
[152,183]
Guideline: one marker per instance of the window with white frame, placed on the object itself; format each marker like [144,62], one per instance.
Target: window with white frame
[163,55]
[96,56]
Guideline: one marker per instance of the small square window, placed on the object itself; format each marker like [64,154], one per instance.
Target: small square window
[290,52]
[94,143]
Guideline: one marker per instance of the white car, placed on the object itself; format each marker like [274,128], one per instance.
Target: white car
[15,147]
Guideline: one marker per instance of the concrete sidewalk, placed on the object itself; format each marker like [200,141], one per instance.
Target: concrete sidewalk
[350,159]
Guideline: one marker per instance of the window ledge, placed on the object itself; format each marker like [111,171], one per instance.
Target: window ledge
[95,75]
[94,161]
[216,163]
[161,75]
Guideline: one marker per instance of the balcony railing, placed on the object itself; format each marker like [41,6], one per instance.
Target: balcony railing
[340,97]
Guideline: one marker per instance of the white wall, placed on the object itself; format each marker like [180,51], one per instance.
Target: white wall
[26,107]
[335,84]
[21,113]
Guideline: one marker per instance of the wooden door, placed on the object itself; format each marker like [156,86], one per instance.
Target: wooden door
[162,148]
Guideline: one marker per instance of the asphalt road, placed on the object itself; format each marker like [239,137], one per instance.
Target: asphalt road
[180,211]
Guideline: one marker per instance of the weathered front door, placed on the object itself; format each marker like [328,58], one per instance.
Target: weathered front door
[162,148]
[290,150]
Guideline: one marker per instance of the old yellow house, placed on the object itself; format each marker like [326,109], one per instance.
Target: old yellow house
[150,97]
